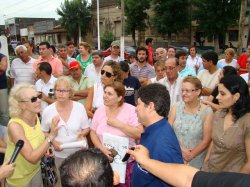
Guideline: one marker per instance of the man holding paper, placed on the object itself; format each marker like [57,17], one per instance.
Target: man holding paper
[152,108]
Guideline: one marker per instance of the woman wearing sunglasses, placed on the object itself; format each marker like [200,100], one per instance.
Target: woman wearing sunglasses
[117,118]
[110,72]
[192,121]
[24,105]
[73,120]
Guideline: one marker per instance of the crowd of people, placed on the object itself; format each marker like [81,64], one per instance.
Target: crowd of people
[188,112]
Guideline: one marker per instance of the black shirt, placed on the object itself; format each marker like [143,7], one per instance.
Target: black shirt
[3,78]
[223,179]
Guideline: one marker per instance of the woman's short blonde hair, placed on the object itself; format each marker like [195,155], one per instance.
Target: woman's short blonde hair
[86,45]
[68,82]
[230,51]
[17,94]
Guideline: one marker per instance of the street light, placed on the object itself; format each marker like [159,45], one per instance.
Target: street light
[98,25]
[123,30]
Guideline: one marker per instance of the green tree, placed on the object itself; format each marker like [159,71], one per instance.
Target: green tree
[75,17]
[214,16]
[135,12]
[107,38]
[171,16]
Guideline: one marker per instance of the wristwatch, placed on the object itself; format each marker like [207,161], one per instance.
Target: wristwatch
[49,140]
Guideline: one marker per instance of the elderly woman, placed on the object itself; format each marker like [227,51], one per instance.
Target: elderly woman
[229,59]
[85,57]
[24,105]
[110,72]
[192,121]
[116,118]
[230,148]
[73,119]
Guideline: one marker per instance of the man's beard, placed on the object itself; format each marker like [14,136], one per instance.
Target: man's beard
[141,61]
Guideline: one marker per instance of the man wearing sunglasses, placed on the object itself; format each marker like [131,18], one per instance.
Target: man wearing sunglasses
[81,83]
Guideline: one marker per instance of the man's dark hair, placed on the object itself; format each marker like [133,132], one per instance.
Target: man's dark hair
[70,43]
[157,94]
[45,66]
[45,43]
[180,53]
[124,66]
[210,55]
[61,46]
[148,40]
[86,168]
[141,49]
[98,52]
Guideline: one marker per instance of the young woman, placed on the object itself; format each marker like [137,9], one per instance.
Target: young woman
[230,148]
[85,57]
[192,121]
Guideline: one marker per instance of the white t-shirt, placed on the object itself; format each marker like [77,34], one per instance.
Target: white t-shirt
[69,130]
[245,76]
[209,80]
[153,80]
[192,62]
[41,86]
[98,95]
[119,59]
[173,89]
[223,63]
[22,72]
[91,72]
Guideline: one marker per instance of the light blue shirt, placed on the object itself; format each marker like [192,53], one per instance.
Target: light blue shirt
[187,71]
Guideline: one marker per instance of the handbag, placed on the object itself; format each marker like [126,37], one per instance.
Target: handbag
[48,171]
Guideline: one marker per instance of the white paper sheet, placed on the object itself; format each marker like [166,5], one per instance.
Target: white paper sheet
[120,144]
[78,144]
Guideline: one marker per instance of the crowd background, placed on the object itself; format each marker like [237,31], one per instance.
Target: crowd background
[73,94]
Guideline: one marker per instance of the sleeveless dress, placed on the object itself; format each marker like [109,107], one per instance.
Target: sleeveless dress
[189,130]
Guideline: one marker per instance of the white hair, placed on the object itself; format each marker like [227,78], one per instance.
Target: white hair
[21,46]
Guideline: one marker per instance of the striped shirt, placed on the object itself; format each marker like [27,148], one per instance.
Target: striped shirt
[22,72]
[146,71]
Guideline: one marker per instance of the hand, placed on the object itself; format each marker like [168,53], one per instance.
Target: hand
[6,170]
[54,127]
[57,145]
[107,152]
[185,154]
[140,154]
[113,122]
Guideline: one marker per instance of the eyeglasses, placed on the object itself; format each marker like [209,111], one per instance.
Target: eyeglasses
[33,99]
[170,68]
[107,74]
[188,91]
[62,91]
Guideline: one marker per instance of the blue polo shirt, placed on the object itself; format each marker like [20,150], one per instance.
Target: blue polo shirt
[163,145]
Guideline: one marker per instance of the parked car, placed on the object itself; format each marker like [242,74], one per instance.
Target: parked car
[128,50]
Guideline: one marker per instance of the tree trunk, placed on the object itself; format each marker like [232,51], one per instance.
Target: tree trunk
[242,20]
[141,38]
[216,43]
[169,38]
[133,37]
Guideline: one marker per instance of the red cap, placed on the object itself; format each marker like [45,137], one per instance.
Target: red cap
[74,65]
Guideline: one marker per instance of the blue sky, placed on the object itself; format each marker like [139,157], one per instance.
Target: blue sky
[29,8]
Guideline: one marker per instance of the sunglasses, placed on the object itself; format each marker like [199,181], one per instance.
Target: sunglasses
[34,99]
[107,74]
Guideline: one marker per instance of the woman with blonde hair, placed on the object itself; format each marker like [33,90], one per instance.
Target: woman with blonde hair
[192,122]
[85,57]
[73,120]
[229,59]
[24,105]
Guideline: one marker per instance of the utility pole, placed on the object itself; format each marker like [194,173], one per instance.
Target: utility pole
[123,30]
[242,20]
[98,25]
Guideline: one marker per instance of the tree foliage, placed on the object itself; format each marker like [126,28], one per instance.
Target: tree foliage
[171,16]
[75,14]
[214,16]
[107,38]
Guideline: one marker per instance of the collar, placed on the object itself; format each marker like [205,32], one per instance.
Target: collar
[154,126]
